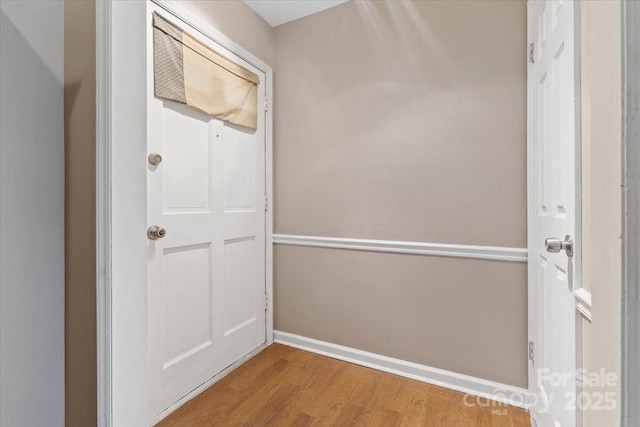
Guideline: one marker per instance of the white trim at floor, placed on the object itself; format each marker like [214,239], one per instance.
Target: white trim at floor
[479,387]
[494,253]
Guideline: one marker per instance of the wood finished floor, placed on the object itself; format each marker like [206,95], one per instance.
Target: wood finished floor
[283,386]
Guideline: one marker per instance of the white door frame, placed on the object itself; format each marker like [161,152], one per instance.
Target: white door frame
[121,218]
[582,297]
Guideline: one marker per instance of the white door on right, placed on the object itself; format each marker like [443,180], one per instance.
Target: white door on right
[553,211]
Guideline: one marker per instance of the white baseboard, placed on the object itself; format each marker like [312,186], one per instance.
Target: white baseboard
[503,393]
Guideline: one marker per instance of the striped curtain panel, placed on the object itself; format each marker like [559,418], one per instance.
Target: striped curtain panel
[189,72]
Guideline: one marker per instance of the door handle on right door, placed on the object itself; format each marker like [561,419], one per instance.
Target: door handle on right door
[555,245]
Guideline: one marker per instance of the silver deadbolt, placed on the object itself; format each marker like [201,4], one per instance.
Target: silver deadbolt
[555,245]
[154,159]
[154,232]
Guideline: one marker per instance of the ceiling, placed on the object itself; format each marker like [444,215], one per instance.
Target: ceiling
[277,12]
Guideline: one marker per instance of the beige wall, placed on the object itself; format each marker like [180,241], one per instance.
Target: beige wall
[422,309]
[405,121]
[394,120]
[80,224]
[238,22]
[602,182]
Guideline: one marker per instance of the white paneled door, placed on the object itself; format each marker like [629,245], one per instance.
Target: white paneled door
[553,211]
[206,276]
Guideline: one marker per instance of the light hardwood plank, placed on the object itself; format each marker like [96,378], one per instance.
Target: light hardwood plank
[283,386]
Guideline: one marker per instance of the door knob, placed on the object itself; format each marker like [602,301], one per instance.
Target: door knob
[154,159]
[555,245]
[154,232]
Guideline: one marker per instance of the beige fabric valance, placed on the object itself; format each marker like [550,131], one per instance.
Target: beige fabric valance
[189,72]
